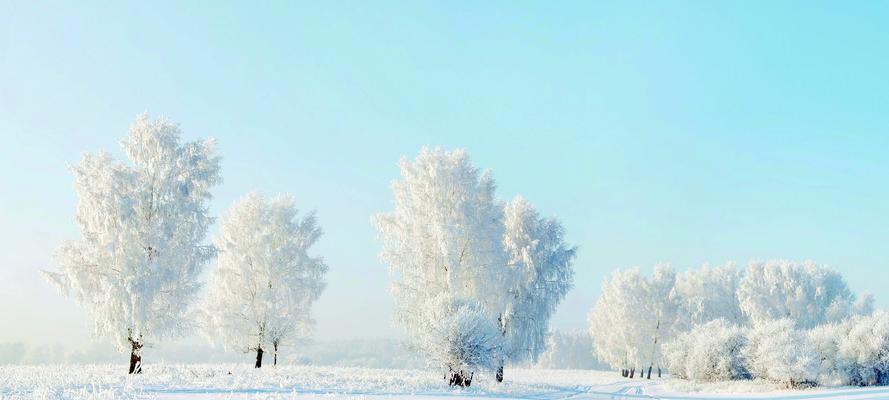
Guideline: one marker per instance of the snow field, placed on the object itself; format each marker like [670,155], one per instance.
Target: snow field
[230,381]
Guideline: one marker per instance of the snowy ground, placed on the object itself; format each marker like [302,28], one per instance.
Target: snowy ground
[220,381]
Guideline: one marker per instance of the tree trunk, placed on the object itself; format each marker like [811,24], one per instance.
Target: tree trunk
[459,378]
[276,355]
[258,358]
[624,373]
[136,357]
[632,372]
[649,372]
[658,372]
[499,375]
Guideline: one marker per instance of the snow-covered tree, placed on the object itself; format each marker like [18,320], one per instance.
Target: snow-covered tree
[540,267]
[143,224]
[708,352]
[806,293]
[663,308]
[778,352]
[265,282]
[633,317]
[449,238]
[708,294]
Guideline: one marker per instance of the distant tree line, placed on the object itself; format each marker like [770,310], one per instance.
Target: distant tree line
[798,324]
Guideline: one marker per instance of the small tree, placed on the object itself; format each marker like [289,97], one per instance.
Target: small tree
[143,224]
[261,292]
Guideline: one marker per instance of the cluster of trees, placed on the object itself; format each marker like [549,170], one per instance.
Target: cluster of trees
[142,249]
[476,279]
[793,323]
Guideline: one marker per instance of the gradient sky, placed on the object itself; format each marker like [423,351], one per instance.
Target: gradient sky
[685,132]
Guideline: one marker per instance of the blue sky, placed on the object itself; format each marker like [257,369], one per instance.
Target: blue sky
[685,132]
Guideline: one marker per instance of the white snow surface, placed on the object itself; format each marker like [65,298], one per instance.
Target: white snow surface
[228,381]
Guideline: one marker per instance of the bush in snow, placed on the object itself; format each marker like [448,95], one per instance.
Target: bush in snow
[825,340]
[863,353]
[458,334]
[778,352]
[708,352]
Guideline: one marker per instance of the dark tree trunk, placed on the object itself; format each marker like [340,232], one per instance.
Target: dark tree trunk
[658,372]
[624,373]
[632,372]
[258,358]
[276,355]
[649,372]
[136,357]
[459,378]
[499,375]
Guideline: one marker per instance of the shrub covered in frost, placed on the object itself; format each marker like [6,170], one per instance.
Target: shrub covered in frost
[458,334]
[862,354]
[778,352]
[825,340]
[708,352]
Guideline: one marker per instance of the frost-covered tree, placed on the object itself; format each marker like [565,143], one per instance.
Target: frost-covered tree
[449,238]
[663,308]
[807,293]
[779,352]
[618,320]
[135,268]
[540,268]
[633,317]
[442,244]
[708,294]
[261,292]
[708,352]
